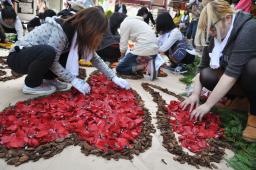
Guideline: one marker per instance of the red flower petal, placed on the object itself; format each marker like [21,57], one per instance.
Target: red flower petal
[193,134]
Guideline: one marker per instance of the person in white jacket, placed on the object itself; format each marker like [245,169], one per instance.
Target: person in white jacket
[145,46]
[172,43]
[10,22]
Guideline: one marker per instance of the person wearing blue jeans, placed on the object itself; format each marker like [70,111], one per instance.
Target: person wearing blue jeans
[131,64]
[136,58]
[191,32]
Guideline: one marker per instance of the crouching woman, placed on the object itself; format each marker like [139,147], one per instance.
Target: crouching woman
[228,62]
[51,53]
[172,43]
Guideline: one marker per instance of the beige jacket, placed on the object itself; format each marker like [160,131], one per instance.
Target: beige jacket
[136,30]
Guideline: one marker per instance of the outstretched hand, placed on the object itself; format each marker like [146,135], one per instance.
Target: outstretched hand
[199,112]
[191,102]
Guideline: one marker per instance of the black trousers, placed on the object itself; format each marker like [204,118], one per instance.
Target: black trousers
[110,53]
[245,86]
[34,61]
[9,30]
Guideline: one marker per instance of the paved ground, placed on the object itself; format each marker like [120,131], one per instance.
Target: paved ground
[72,158]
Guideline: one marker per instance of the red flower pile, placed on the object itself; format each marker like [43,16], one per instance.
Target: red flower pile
[110,118]
[193,134]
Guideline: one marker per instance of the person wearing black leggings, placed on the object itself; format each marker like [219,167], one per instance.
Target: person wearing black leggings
[228,61]
[50,53]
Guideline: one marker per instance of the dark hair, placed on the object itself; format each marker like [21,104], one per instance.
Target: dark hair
[90,25]
[33,23]
[115,21]
[6,4]
[100,8]
[66,13]
[142,11]
[49,13]
[164,23]
[46,13]
[177,13]
[8,13]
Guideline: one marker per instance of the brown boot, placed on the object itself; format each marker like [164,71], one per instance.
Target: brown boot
[236,104]
[249,133]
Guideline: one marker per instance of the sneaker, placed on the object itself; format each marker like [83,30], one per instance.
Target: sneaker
[41,90]
[180,69]
[60,86]
[152,69]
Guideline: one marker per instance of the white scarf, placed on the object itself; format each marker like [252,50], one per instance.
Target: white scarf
[73,58]
[216,53]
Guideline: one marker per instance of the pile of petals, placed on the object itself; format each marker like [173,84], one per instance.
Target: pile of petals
[110,118]
[193,134]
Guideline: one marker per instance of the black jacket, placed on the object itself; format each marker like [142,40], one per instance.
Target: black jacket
[240,48]
[117,7]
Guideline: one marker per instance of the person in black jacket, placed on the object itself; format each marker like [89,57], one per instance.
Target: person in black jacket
[109,47]
[228,62]
[121,8]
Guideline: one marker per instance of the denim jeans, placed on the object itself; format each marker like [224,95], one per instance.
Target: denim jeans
[127,64]
[191,31]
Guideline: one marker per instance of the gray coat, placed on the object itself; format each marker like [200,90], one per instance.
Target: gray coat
[240,48]
[51,33]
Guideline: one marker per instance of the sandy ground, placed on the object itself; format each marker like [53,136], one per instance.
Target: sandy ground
[72,158]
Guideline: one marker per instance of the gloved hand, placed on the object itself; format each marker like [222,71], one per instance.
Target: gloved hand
[81,86]
[121,82]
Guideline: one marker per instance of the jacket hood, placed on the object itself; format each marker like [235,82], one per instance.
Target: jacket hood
[135,17]
[240,20]
[52,21]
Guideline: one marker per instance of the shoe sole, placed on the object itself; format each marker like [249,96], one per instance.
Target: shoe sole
[174,72]
[249,139]
[38,93]
[153,76]
[66,89]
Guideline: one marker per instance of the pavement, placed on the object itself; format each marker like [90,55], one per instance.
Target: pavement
[72,159]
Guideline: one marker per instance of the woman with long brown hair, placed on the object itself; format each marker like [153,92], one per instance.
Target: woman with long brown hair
[51,52]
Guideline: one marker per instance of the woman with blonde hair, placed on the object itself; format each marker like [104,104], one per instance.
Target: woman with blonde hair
[228,60]
[51,53]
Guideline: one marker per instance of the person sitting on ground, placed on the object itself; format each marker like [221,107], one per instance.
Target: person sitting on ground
[173,44]
[8,3]
[51,53]
[40,19]
[147,15]
[10,22]
[228,61]
[144,51]
[109,48]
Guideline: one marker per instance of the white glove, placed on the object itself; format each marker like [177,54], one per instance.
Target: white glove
[121,82]
[81,86]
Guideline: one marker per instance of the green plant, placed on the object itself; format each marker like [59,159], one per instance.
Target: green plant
[245,153]
[108,13]
[192,71]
